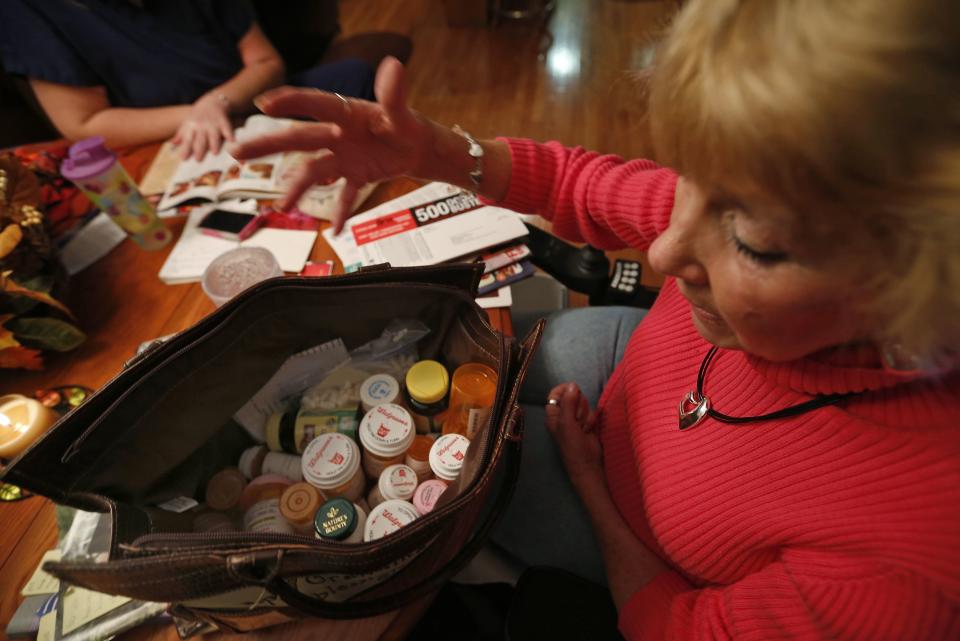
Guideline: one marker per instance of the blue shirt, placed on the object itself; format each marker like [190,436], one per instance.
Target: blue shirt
[168,52]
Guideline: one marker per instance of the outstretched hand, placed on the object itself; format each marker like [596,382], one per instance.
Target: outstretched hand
[365,141]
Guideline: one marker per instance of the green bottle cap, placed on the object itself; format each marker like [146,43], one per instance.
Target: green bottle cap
[335,520]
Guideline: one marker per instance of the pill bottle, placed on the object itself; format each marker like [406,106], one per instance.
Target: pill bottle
[447,455]
[211,521]
[286,465]
[299,504]
[418,457]
[279,432]
[396,482]
[387,518]
[310,424]
[251,461]
[331,463]
[260,504]
[427,384]
[427,494]
[472,392]
[341,521]
[386,433]
[224,489]
[379,389]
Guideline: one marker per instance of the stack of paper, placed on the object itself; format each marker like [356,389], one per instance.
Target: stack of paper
[434,224]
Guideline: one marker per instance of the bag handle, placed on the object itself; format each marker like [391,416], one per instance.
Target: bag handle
[360,609]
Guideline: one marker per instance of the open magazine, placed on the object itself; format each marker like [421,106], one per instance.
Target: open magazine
[220,177]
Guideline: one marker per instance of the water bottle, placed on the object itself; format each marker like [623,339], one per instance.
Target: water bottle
[93,168]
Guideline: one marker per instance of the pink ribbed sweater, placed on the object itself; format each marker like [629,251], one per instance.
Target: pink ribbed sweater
[841,523]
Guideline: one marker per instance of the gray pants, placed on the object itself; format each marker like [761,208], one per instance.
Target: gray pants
[545,523]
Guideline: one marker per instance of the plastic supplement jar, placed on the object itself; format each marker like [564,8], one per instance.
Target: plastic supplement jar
[387,518]
[340,521]
[224,489]
[299,504]
[286,465]
[427,494]
[396,482]
[377,390]
[279,432]
[427,385]
[331,463]
[447,455]
[418,457]
[386,433]
[261,505]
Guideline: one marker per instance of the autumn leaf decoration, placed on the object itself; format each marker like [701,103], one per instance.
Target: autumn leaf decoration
[31,319]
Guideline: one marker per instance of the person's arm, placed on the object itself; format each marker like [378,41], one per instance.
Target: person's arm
[263,69]
[81,112]
[629,563]
[369,142]
[207,124]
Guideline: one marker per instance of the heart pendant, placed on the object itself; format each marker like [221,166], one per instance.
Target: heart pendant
[693,410]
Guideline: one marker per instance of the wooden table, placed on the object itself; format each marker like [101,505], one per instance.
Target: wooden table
[120,303]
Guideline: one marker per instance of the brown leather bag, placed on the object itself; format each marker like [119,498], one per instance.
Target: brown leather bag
[163,426]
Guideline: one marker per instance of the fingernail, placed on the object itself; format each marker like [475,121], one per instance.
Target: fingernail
[258,102]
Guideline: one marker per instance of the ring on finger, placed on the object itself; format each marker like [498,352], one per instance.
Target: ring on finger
[553,401]
[346,103]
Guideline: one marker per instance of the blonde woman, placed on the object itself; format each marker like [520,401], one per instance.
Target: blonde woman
[776,455]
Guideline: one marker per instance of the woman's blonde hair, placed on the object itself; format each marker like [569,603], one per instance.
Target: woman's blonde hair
[849,108]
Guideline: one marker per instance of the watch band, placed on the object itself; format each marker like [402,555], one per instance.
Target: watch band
[476,152]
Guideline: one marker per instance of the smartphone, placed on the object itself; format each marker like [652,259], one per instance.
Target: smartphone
[228,224]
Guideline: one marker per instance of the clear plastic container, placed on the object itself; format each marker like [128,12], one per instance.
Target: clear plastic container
[331,463]
[236,270]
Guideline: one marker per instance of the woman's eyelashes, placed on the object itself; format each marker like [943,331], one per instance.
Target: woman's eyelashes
[764,258]
[728,221]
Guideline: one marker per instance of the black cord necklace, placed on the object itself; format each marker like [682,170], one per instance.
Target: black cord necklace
[695,406]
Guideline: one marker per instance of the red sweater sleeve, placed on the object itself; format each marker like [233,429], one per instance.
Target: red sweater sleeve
[796,602]
[603,200]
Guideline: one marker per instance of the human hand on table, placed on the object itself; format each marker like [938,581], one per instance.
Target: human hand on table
[205,128]
[571,423]
[367,141]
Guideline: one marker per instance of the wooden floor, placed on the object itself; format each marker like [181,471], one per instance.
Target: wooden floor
[571,80]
